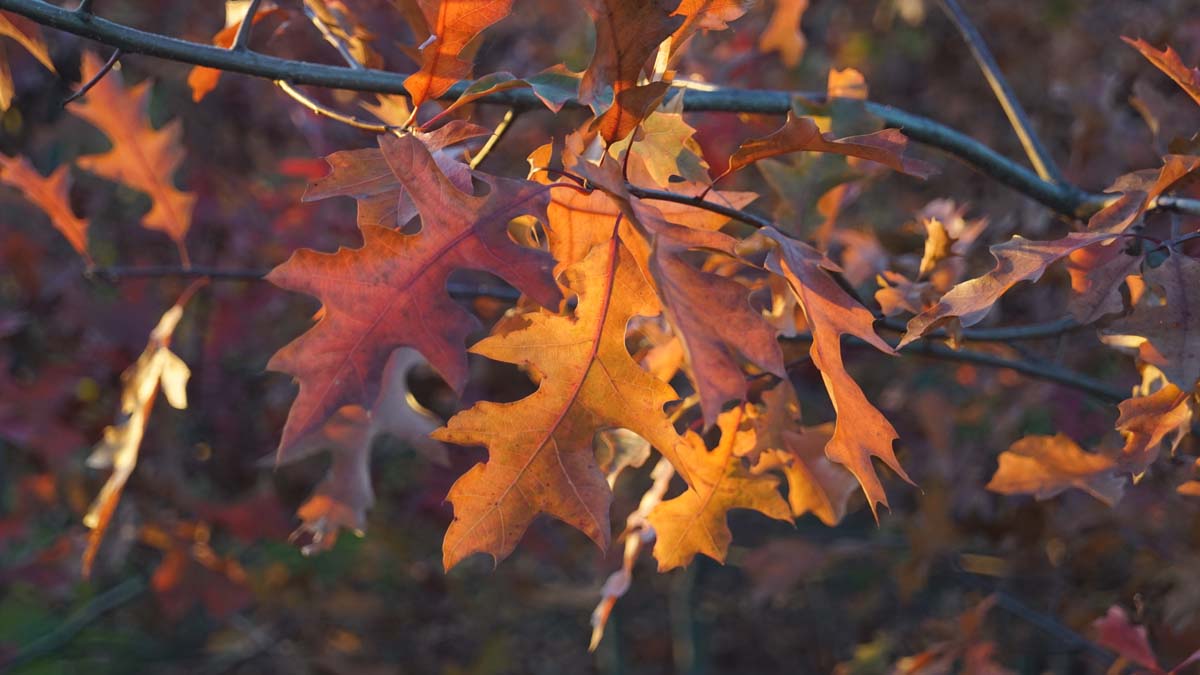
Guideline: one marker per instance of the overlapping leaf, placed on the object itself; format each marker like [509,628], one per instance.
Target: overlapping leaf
[861,431]
[1169,62]
[392,291]
[1044,466]
[587,381]
[1167,335]
[719,481]
[1017,260]
[452,24]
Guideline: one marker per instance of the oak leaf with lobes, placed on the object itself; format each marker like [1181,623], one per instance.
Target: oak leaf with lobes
[860,431]
[540,448]
[392,292]
[453,24]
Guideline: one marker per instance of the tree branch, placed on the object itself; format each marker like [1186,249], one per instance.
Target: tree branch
[1063,198]
[242,39]
[1038,156]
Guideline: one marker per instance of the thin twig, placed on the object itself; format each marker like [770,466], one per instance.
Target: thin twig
[700,203]
[62,635]
[84,7]
[243,34]
[1063,198]
[313,105]
[1183,205]
[87,86]
[492,141]
[332,39]
[1038,156]
[1037,331]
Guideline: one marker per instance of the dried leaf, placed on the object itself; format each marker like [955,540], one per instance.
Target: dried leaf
[142,157]
[1017,260]
[784,34]
[27,34]
[453,24]
[392,291]
[1097,274]
[802,134]
[1045,466]
[1167,335]
[861,431]
[1116,632]
[1169,62]
[118,450]
[1147,420]
[587,382]
[695,521]
[50,194]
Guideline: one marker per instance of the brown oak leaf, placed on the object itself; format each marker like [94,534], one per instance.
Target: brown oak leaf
[1044,466]
[1169,62]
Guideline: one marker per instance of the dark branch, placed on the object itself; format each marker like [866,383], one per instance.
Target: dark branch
[1038,156]
[1064,198]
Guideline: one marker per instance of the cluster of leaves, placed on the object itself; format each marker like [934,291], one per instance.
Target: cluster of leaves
[655,315]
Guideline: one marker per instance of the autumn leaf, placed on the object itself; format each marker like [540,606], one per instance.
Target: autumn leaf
[719,481]
[1044,466]
[1116,632]
[627,33]
[784,34]
[452,24]
[27,34]
[1097,274]
[1169,62]
[706,15]
[50,194]
[382,199]
[202,80]
[861,431]
[392,292]
[1147,420]
[1139,191]
[815,484]
[1167,335]
[553,87]
[587,382]
[342,498]
[716,325]
[142,157]
[1017,260]
[802,134]
[157,367]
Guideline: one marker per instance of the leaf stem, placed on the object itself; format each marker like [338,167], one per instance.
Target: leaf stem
[323,111]
[501,129]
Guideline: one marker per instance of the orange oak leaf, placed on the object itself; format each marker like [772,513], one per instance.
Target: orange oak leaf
[695,521]
[1147,420]
[1017,260]
[802,134]
[861,431]
[342,498]
[815,484]
[142,157]
[392,292]
[452,24]
[716,325]
[202,80]
[540,454]
[1169,62]
[1167,335]
[157,367]
[1139,191]
[27,34]
[382,199]
[50,195]
[1044,466]
[783,33]
[627,33]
